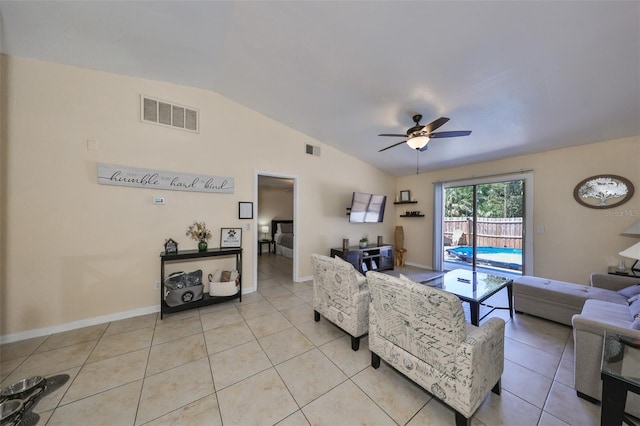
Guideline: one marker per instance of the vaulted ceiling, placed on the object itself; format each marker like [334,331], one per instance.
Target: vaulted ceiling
[523,76]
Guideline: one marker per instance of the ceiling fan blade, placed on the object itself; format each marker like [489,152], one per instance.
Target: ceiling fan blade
[435,124]
[452,134]
[395,144]
[392,134]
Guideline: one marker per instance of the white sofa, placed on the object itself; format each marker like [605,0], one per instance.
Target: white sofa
[598,316]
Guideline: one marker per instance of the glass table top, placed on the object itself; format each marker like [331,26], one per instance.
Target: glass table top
[469,285]
[621,357]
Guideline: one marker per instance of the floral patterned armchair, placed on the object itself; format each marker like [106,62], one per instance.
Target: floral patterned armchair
[341,295]
[421,332]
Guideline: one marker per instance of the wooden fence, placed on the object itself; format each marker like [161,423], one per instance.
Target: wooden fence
[494,232]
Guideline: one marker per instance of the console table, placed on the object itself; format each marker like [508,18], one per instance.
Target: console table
[371,258]
[206,300]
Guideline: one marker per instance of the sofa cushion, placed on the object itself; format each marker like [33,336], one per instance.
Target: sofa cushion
[608,313]
[635,325]
[565,292]
[630,291]
[634,309]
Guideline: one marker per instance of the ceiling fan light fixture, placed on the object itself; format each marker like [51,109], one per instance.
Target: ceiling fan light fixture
[418,142]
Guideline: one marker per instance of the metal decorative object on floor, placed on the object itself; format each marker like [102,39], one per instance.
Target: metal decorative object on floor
[17,400]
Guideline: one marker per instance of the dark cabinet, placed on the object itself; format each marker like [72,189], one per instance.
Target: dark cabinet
[372,258]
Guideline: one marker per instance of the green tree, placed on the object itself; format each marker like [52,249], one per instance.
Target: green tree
[502,199]
[459,201]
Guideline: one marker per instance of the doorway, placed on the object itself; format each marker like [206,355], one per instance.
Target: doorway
[483,224]
[276,200]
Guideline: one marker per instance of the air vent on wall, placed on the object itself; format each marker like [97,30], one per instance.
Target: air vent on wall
[312,150]
[169,114]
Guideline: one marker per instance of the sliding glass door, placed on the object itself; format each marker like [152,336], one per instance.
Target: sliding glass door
[483,226]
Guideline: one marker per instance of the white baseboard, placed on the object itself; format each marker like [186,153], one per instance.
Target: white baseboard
[417,265]
[45,331]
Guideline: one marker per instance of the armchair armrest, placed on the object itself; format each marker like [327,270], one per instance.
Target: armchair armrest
[612,282]
[483,351]
[582,323]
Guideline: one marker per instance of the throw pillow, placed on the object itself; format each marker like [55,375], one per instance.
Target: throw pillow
[344,263]
[630,291]
[360,278]
[634,298]
[634,309]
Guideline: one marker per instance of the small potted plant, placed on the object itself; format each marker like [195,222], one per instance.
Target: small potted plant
[363,242]
[198,231]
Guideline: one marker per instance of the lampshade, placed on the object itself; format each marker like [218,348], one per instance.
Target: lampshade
[418,142]
[634,229]
[633,252]
[264,229]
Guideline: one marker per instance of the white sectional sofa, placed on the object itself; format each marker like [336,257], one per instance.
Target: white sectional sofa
[610,303]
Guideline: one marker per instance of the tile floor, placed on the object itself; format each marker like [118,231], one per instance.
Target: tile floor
[265,361]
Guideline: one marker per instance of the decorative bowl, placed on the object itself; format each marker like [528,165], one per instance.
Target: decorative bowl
[10,410]
[22,387]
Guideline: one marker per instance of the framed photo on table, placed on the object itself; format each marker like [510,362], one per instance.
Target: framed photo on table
[245,210]
[230,237]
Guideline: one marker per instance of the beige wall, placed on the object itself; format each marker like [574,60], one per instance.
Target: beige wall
[76,250]
[577,240]
[274,203]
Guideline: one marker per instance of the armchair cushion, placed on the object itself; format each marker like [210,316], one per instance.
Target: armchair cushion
[360,279]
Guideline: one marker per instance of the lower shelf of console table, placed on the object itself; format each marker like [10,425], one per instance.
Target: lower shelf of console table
[206,300]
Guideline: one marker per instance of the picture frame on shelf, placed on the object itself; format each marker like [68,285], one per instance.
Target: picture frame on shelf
[245,210]
[230,237]
[405,195]
[170,246]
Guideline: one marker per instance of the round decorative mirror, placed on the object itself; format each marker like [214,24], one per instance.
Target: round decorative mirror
[603,191]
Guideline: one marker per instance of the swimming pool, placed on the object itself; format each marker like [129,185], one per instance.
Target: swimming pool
[499,257]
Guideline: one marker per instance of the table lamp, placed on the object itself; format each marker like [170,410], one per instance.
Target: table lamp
[634,253]
[265,230]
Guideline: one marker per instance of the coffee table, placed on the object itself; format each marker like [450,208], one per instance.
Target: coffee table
[620,373]
[474,288]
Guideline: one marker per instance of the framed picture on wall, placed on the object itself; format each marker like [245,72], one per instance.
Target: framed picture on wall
[230,237]
[245,210]
[603,191]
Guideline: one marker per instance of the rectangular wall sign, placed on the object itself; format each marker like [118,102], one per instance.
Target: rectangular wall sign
[110,174]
